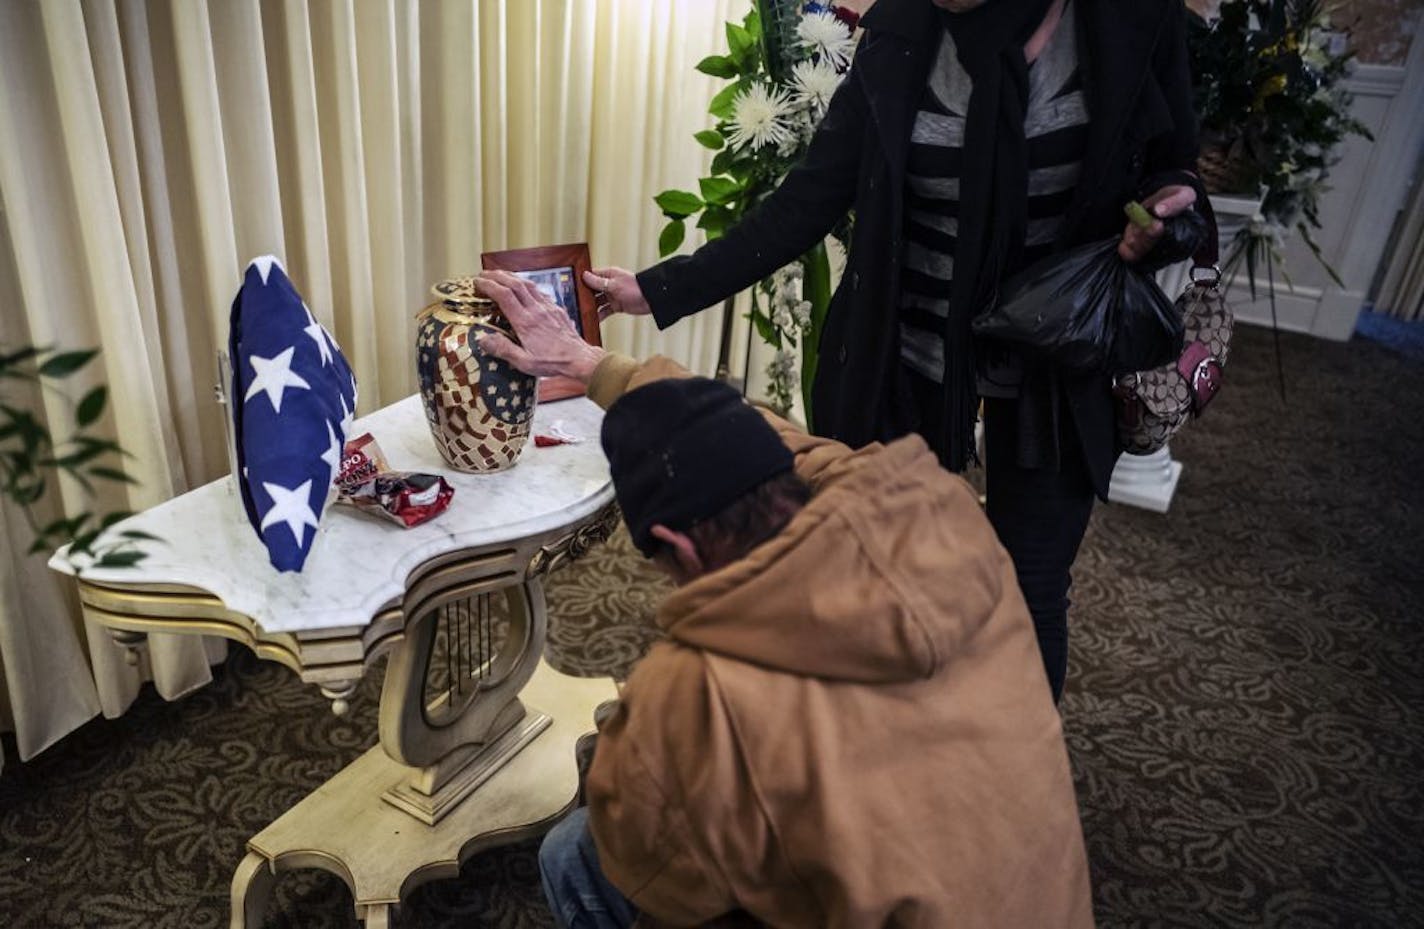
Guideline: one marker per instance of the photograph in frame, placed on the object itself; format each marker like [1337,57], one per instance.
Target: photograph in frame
[558,271]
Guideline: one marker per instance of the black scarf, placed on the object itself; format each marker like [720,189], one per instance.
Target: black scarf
[993,192]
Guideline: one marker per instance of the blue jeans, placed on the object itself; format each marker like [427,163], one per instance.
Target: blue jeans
[578,893]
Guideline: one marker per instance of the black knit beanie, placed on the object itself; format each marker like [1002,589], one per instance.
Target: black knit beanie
[682,450]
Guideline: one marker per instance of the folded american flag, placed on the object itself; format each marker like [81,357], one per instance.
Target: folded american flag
[292,401]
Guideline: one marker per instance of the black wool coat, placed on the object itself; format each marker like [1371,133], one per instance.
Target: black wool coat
[1142,136]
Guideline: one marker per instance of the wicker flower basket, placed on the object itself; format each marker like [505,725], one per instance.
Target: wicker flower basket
[1225,169]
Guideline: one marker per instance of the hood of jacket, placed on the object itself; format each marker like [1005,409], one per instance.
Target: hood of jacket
[878,579]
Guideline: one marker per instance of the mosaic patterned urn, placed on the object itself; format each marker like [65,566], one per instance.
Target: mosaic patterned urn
[480,408]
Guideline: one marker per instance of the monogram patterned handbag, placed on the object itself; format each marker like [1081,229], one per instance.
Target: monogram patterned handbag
[1153,405]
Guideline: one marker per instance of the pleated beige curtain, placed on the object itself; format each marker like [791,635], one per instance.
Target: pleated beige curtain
[149,148]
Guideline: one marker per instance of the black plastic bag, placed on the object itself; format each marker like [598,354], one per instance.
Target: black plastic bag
[1089,311]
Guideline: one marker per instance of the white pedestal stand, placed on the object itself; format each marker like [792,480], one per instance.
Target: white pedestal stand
[1149,481]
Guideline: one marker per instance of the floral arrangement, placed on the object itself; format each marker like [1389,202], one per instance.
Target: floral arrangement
[785,61]
[1267,77]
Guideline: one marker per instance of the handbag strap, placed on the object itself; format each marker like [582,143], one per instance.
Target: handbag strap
[1210,253]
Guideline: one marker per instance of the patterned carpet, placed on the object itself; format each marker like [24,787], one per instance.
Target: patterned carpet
[1245,709]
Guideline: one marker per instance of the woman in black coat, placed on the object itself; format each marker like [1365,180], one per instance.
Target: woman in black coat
[964,162]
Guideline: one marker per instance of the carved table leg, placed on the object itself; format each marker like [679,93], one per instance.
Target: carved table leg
[461,739]
[251,890]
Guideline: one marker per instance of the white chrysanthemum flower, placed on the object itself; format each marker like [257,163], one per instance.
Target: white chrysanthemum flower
[759,117]
[805,124]
[813,84]
[782,367]
[788,276]
[827,37]
[801,315]
[1315,56]
[781,376]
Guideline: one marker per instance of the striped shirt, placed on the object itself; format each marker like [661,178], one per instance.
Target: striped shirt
[1056,127]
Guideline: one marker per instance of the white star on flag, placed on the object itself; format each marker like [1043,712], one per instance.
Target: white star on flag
[346,417]
[264,265]
[332,455]
[292,507]
[273,375]
[318,335]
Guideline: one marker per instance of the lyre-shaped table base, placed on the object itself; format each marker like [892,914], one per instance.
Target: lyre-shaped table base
[382,853]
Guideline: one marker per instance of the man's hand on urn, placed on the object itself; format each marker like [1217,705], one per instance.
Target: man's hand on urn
[1167,202]
[616,290]
[548,344]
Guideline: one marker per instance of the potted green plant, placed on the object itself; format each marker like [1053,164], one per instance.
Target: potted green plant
[31,459]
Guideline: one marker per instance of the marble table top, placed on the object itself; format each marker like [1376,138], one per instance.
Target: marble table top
[360,562]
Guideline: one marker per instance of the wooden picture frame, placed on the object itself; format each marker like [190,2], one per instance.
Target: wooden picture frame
[558,271]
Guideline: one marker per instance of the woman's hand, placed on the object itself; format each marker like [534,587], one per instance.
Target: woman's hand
[616,291]
[1169,201]
[548,344]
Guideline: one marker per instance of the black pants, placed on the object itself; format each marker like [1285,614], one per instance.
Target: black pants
[1040,515]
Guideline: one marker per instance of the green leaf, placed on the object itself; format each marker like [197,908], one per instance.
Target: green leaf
[66,363]
[84,542]
[671,239]
[816,289]
[27,493]
[92,406]
[678,204]
[765,328]
[111,474]
[1319,255]
[74,459]
[32,435]
[18,356]
[108,445]
[723,105]
[139,534]
[117,516]
[718,66]
[742,43]
[718,191]
[710,138]
[722,161]
[124,559]
[67,527]
[715,221]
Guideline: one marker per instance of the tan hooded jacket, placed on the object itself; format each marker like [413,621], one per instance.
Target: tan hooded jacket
[849,727]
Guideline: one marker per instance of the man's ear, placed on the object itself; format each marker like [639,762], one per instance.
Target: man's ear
[684,551]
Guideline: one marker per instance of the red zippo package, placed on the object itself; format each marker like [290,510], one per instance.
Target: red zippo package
[361,461]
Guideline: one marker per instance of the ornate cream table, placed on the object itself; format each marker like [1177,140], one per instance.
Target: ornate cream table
[477,735]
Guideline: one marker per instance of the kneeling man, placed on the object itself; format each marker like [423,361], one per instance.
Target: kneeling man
[848,723]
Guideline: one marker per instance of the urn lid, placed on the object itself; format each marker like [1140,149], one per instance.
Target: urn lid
[461,294]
